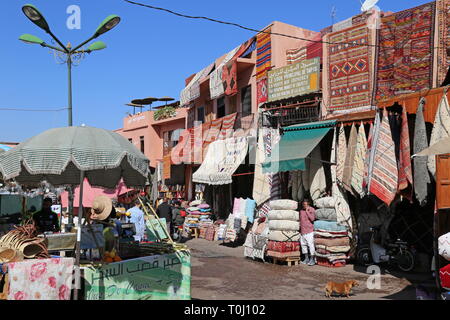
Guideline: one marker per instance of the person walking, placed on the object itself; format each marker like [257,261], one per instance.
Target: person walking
[164,210]
[307,217]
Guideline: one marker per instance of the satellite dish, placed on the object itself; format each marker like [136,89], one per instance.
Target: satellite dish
[368,4]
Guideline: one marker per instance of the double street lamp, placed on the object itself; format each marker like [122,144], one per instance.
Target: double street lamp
[38,19]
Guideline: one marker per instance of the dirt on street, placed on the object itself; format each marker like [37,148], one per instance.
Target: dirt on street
[223,273]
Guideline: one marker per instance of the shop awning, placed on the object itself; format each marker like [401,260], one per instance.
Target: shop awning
[295,145]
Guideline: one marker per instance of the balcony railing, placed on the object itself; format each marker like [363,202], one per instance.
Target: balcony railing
[291,115]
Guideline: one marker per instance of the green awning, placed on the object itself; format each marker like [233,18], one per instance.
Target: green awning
[295,145]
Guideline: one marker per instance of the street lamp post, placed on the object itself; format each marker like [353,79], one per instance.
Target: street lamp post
[32,13]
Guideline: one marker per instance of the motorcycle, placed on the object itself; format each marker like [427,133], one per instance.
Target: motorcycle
[393,253]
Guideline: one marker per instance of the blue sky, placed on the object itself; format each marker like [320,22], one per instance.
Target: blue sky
[150,53]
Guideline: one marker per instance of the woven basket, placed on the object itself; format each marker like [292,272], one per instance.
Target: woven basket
[30,247]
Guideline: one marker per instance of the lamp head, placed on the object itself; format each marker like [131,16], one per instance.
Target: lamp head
[29,38]
[98,45]
[35,16]
[109,23]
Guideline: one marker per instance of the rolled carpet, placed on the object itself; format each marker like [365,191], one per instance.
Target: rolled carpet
[284,204]
[334,249]
[290,215]
[332,242]
[328,226]
[284,235]
[327,214]
[284,225]
[286,246]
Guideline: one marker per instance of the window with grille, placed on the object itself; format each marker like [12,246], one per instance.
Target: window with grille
[246,100]
[221,108]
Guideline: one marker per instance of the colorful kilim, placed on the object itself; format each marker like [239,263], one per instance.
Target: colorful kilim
[443,16]
[264,53]
[262,90]
[350,68]
[197,150]
[405,54]
[384,180]
[405,177]
[227,126]
[309,51]
[212,134]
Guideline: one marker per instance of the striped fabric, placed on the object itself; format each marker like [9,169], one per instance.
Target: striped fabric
[212,134]
[296,55]
[358,163]
[367,158]
[58,155]
[197,150]
[341,153]
[264,53]
[384,180]
[227,126]
[310,51]
[441,129]
[404,166]
[349,160]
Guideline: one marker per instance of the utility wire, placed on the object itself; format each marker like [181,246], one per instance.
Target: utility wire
[32,110]
[260,31]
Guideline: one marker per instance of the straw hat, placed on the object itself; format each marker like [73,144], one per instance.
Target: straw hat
[101,208]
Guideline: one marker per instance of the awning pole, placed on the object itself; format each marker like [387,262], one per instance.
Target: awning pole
[78,247]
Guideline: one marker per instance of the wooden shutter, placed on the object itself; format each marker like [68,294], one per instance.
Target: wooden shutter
[443,181]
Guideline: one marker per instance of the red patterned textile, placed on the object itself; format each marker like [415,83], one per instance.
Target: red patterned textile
[283,246]
[227,126]
[443,16]
[405,54]
[262,90]
[405,177]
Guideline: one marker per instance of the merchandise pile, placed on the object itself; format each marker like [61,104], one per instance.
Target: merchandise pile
[284,229]
[199,216]
[243,213]
[256,242]
[444,251]
[331,240]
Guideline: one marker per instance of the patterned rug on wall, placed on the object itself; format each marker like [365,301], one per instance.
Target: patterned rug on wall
[443,16]
[350,68]
[405,55]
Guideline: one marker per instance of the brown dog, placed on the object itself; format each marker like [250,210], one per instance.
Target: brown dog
[340,288]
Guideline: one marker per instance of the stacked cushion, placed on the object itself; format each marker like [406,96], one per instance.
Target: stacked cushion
[444,246]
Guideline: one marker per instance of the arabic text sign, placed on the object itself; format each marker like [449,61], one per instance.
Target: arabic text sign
[294,80]
[162,277]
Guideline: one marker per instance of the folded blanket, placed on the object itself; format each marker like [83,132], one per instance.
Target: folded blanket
[203,206]
[332,242]
[205,210]
[284,225]
[195,203]
[327,202]
[283,254]
[284,215]
[284,235]
[192,209]
[283,204]
[286,246]
[328,214]
[328,226]
[334,249]
[330,234]
[331,257]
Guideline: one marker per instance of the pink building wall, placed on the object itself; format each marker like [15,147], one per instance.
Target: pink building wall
[144,125]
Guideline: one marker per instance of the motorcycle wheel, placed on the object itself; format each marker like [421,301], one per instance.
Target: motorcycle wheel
[405,261]
[364,256]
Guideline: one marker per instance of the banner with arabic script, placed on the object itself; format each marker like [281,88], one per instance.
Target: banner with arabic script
[161,277]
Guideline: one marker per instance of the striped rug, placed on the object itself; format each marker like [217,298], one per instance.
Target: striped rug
[227,126]
[443,17]
[404,166]
[341,153]
[384,180]
[263,53]
[212,134]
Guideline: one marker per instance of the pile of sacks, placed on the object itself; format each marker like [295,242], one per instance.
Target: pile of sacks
[331,240]
[284,229]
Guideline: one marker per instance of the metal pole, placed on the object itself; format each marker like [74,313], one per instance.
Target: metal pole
[70,192]
[69,69]
[78,247]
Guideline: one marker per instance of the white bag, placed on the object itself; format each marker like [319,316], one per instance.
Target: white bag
[283,204]
[444,246]
[290,215]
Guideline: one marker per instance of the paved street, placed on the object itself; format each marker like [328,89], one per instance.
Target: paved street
[220,272]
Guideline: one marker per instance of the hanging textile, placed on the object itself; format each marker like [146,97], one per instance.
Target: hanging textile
[405,54]
[263,53]
[221,161]
[343,214]
[197,149]
[341,155]
[441,129]
[358,162]
[313,49]
[367,162]
[192,90]
[349,159]
[44,279]
[350,67]
[443,59]
[384,179]
[421,176]
[229,71]
[216,87]
[212,134]
[261,186]
[262,91]
[404,165]
[227,126]
[318,183]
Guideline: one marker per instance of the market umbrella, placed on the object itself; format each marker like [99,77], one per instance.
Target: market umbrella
[66,156]
[440,147]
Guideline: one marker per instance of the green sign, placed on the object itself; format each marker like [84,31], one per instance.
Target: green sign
[161,277]
[294,80]
[155,229]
